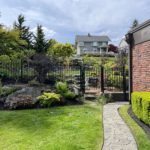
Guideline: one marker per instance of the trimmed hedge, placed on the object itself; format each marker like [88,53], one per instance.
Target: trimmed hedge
[141,106]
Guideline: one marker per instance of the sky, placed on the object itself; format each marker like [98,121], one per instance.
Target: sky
[64,19]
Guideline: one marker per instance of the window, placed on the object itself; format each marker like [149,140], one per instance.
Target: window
[94,49]
[104,43]
[85,49]
[95,44]
[87,44]
[81,43]
[100,43]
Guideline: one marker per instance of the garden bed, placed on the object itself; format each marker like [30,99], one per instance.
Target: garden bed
[40,96]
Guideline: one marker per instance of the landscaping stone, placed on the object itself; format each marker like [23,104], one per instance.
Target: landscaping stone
[33,91]
[19,101]
[117,135]
[25,96]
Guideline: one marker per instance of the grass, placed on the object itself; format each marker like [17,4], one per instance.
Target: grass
[59,128]
[141,138]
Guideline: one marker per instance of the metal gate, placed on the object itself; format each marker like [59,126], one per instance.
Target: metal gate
[102,79]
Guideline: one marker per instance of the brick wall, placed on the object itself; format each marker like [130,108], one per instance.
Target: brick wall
[141,67]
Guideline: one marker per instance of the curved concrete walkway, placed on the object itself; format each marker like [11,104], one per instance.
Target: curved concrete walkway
[117,135]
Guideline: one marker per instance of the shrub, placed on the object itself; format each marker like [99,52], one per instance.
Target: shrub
[141,106]
[48,98]
[64,91]
[7,91]
[116,81]
[62,87]
[4,73]
[0,87]
[117,73]
[34,82]
[69,95]
[94,74]
[104,99]
[5,59]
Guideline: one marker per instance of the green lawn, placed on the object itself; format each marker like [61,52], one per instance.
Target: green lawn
[140,136]
[88,73]
[59,128]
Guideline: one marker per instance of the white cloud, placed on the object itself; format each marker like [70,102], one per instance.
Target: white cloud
[48,32]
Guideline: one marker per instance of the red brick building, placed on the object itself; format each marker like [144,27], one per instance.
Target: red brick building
[139,41]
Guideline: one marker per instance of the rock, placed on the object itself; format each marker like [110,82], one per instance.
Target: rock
[24,97]
[75,89]
[47,91]
[19,101]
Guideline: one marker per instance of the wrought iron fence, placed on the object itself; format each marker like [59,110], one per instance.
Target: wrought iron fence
[115,79]
[86,77]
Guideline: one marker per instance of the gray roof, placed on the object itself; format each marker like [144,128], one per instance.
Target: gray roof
[90,38]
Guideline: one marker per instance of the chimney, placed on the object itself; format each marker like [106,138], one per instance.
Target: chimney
[89,34]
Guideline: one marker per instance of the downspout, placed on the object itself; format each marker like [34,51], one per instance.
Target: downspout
[129,39]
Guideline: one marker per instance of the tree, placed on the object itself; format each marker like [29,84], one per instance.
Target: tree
[113,48]
[61,51]
[91,60]
[24,31]
[41,44]
[52,42]
[41,62]
[135,23]
[10,41]
[122,58]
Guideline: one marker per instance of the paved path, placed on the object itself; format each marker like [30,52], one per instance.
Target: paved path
[117,135]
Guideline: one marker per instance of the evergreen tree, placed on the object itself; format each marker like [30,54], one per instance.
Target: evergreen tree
[41,44]
[135,23]
[24,31]
[40,60]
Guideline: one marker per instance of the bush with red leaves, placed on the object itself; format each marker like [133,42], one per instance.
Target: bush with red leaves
[112,48]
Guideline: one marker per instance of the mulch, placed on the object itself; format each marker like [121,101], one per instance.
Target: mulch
[145,127]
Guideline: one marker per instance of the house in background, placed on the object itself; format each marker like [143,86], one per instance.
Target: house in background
[89,44]
[123,46]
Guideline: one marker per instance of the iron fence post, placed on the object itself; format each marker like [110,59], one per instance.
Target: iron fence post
[124,82]
[102,79]
[82,78]
[21,67]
